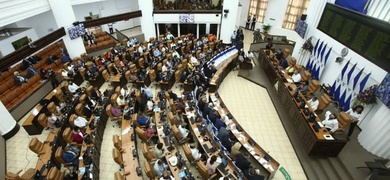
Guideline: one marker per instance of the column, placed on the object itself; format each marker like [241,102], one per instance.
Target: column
[147,22]
[208,29]
[228,23]
[8,126]
[197,31]
[158,29]
[64,16]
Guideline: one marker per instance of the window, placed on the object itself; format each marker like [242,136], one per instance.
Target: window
[294,11]
[258,7]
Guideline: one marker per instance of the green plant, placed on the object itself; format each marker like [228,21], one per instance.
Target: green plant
[266,28]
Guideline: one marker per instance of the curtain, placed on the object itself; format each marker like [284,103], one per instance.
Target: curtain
[375,131]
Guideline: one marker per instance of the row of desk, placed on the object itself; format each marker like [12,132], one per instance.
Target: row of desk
[316,141]
[128,146]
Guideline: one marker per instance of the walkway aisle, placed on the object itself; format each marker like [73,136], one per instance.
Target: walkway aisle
[251,105]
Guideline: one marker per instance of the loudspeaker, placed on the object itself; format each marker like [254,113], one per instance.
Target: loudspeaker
[303,17]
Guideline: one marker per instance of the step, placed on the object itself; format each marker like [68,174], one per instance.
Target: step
[340,169]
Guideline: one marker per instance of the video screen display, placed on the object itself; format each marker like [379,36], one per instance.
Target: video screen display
[76,31]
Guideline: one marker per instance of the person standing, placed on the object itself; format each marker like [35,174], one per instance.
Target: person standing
[248,21]
[110,28]
[355,114]
[253,23]
[234,36]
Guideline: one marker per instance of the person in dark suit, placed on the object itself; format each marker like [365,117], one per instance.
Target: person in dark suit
[70,156]
[213,115]
[253,174]
[242,162]
[19,79]
[207,110]
[87,110]
[223,136]
[239,44]
[95,93]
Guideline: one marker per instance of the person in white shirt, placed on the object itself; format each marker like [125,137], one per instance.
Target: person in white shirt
[125,92]
[165,68]
[147,90]
[160,167]
[167,176]
[313,102]
[150,104]
[183,131]
[194,61]
[73,87]
[80,122]
[331,123]
[296,77]
[121,101]
[355,114]
[196,154]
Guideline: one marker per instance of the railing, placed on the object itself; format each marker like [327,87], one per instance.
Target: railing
[188,6]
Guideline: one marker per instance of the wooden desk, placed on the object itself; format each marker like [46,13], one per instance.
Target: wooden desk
[195,129]
[221,73]
[130,161]
[46,156]
[254,149]
[174,170]
[31,124]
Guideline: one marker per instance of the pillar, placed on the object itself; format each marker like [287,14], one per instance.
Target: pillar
[8,126]
[147,22]
[228,23]
[64,16]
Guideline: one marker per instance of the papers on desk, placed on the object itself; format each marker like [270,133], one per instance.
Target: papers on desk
[219,160]
[35,112]
[320,124]
[156,109]
[290,81]
[234,131]
[126,131]
[328,137]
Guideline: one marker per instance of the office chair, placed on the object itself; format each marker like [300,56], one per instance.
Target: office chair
[51,107]
[313,87]
[113,98]
[68,136]
[89,90]
[378,167]
[305,76]
[58,156]
[142,134]
[71,119]
[117,91]
[36,146]
[148,155]
[324,101]
[148,170]
[172,105]
[177,135]
[60,95]
[152,76]
[117,120]
[42,120]
[117,143]
[344,121]
[119,176]
[117,156]
[28,175]
[203,170]
[54,174]
[79,110]
[82,98]
[188,153]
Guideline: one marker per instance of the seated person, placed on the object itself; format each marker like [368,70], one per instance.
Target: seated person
[95,93]
[242,162]
[160,167]
[207,110]
[296,77]
[223,136]
[213,116]
[78,135]
[31,71]
[212,165]
[70,156]
[147,90]
[331,123]
[303,87]
[80,122]
[235,150]
[116,111]
[313,102]
[291,68]
[253,174]
[196,154]
[125,92]
[19,79]
[51,119]
[143,120]
[70,174]
[158,151]
[219,123]
[87,110]
[150,104]
[167,176]
[73,87]
[121,101]
[172,95]
[184,132]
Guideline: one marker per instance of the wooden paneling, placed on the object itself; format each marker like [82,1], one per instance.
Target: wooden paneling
[111,19]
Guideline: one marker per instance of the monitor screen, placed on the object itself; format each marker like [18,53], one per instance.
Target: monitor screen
[76,31]
[20,42]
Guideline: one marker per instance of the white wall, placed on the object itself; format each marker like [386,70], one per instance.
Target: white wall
[82,10]
[244,12]
[113,7]
[199,18]
[43,23]
[13,11]
[6,44]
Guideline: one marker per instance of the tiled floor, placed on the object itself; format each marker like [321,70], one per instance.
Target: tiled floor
[248,102]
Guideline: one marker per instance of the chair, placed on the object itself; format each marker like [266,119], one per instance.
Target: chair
[148,170]
[42,120]
[172,105]
[203,170]
[306,75]
[82,73]
[108,111]
[313,87]
[152,76]
[68,136]
[344,121]
[89,90]
[82,98]
[58,156]
[54,174]
[119,176]
[148,155]
[28,175]
[71,119]
[177,135]
[106,76]
[117,156]
[378,167]
[142,134]
[36,146]
[60,95]
[117,143]
[109,67]
[188,153]
[79,109]
[324,101]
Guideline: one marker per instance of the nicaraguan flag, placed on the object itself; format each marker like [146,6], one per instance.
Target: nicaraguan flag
[357,78]
[315,47]
[327,56]
[363,82]
[350,73]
